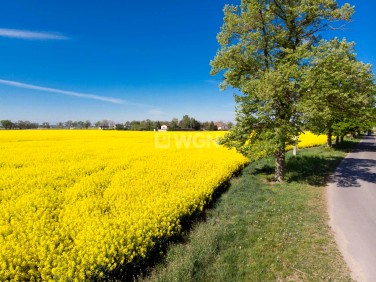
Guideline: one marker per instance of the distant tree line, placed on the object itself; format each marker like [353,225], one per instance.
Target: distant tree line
[25,124]
[21,124]
[74,124]
[187,123]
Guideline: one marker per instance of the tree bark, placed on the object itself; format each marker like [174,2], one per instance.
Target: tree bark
[337,140]
[342,138]
[329,138]
[279,165]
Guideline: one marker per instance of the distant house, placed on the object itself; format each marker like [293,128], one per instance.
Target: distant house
[104,127]
[221,125]
[163,128]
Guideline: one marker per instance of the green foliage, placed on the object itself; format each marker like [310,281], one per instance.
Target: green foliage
[212,126]
[7,124]
[230,125]
[189,123]
[352,126]
[265,47]
[209,126]
[174,124]
[46,125]
[340,90]
[157,124]
[25,124]
[119,126]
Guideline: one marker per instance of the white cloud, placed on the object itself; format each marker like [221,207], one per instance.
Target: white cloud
[64,92]
[27,34]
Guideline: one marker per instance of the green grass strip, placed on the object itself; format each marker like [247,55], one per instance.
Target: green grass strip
[262,231]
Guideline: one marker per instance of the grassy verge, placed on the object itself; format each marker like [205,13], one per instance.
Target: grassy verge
[260,231]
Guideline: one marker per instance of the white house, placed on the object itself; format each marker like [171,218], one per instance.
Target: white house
[163,128]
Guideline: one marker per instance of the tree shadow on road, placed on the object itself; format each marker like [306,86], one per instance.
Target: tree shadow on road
[366,145]
[351,170]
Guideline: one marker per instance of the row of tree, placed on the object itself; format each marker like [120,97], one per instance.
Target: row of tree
[186,123]
[289,79]
[74,124]
[25,124]
[21,124]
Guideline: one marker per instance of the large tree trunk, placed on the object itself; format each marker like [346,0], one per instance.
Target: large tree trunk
[342,138]
[337,140]
[279,165]
[329,138]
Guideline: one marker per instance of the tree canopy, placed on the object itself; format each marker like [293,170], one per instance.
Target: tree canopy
[265,46]
[340,90]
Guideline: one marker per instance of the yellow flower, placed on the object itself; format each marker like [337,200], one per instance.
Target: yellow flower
[77,202]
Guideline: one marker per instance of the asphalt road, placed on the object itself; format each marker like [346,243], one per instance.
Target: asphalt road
[352,209]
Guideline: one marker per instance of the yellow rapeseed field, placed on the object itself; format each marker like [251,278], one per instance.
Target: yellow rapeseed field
[75,205]
[308,139]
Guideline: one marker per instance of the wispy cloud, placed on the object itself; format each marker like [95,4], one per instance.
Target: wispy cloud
[64,92]
[31,35]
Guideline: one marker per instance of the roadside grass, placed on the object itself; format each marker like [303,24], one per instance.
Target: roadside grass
[262,231]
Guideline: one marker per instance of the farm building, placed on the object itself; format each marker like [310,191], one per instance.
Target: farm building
[221,125]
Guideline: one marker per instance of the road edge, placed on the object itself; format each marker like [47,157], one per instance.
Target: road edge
[339,237]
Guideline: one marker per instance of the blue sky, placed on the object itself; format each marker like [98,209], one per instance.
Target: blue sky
[123,60]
